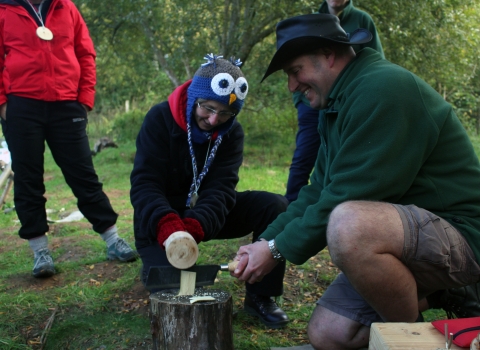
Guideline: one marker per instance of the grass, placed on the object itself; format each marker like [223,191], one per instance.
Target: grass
[97,304]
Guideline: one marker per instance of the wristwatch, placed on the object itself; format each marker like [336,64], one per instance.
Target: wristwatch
[275,253]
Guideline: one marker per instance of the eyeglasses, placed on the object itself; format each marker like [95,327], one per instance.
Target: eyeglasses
[221,114]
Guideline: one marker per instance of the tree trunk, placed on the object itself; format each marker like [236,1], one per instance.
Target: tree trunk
[178,324]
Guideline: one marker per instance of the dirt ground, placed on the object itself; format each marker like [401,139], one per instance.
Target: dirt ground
[299,286]
[137,299]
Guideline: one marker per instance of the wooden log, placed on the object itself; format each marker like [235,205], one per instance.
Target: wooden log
[6,190]
[5,174]
[181,249]
[176,323]
[413,336]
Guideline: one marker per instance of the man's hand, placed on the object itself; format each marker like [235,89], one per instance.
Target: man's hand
[255,261]
[3,111]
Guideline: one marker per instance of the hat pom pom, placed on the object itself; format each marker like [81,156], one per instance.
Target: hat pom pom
[236,62]
[210,59]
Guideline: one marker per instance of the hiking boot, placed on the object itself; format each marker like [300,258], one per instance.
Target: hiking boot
[457,302]
[120,250]
[43,264]
[266,309]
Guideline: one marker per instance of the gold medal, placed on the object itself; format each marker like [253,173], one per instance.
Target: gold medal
[44,33]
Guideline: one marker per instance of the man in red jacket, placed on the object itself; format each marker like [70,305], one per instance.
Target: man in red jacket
[47,86]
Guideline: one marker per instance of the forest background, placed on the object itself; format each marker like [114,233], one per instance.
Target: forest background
[144,50]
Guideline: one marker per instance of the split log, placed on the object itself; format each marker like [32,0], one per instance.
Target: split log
[176,323]
[187,282]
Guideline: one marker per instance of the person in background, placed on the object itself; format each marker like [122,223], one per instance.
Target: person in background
[307,140]
[47,86]
[395,192]
[189,151]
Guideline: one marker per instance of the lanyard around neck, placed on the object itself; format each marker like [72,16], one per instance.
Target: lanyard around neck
[42,32]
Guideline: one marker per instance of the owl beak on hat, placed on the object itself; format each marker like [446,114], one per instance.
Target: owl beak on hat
[233,98]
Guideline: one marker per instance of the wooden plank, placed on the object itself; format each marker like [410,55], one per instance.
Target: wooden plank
[406,336]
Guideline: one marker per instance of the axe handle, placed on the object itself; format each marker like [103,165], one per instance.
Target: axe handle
[231,266]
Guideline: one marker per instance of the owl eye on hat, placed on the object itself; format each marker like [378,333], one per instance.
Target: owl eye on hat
[220,80]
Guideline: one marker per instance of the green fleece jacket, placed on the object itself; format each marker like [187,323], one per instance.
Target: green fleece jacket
[386,136]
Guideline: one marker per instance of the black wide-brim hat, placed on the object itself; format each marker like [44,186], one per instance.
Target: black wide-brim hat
[304,34]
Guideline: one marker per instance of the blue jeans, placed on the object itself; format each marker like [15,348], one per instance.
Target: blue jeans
[305,155]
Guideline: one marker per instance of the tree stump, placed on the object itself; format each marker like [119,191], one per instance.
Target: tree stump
[177,324]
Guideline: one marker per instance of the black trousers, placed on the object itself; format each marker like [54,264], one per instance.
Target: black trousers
[62,124]
[253,212]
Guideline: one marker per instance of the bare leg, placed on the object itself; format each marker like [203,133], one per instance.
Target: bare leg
[328,330]
[365,240]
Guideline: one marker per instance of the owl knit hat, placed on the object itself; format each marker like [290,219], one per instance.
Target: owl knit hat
[219,80]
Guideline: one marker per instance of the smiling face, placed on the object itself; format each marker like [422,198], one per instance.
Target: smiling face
[311,75]
[210,114]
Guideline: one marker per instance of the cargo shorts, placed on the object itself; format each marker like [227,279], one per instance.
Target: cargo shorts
[435,252]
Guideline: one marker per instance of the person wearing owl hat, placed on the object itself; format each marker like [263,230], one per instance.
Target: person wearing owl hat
[189,151]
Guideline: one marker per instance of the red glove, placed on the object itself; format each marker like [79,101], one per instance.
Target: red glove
[194,228]
[169,224]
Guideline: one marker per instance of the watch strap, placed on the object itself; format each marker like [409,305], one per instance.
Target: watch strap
[273,249]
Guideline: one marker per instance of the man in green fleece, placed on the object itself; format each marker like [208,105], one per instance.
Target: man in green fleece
[307,140]
[395,192]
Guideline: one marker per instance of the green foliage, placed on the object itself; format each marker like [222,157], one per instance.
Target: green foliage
[146,48]
[438,40]
[127,125]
